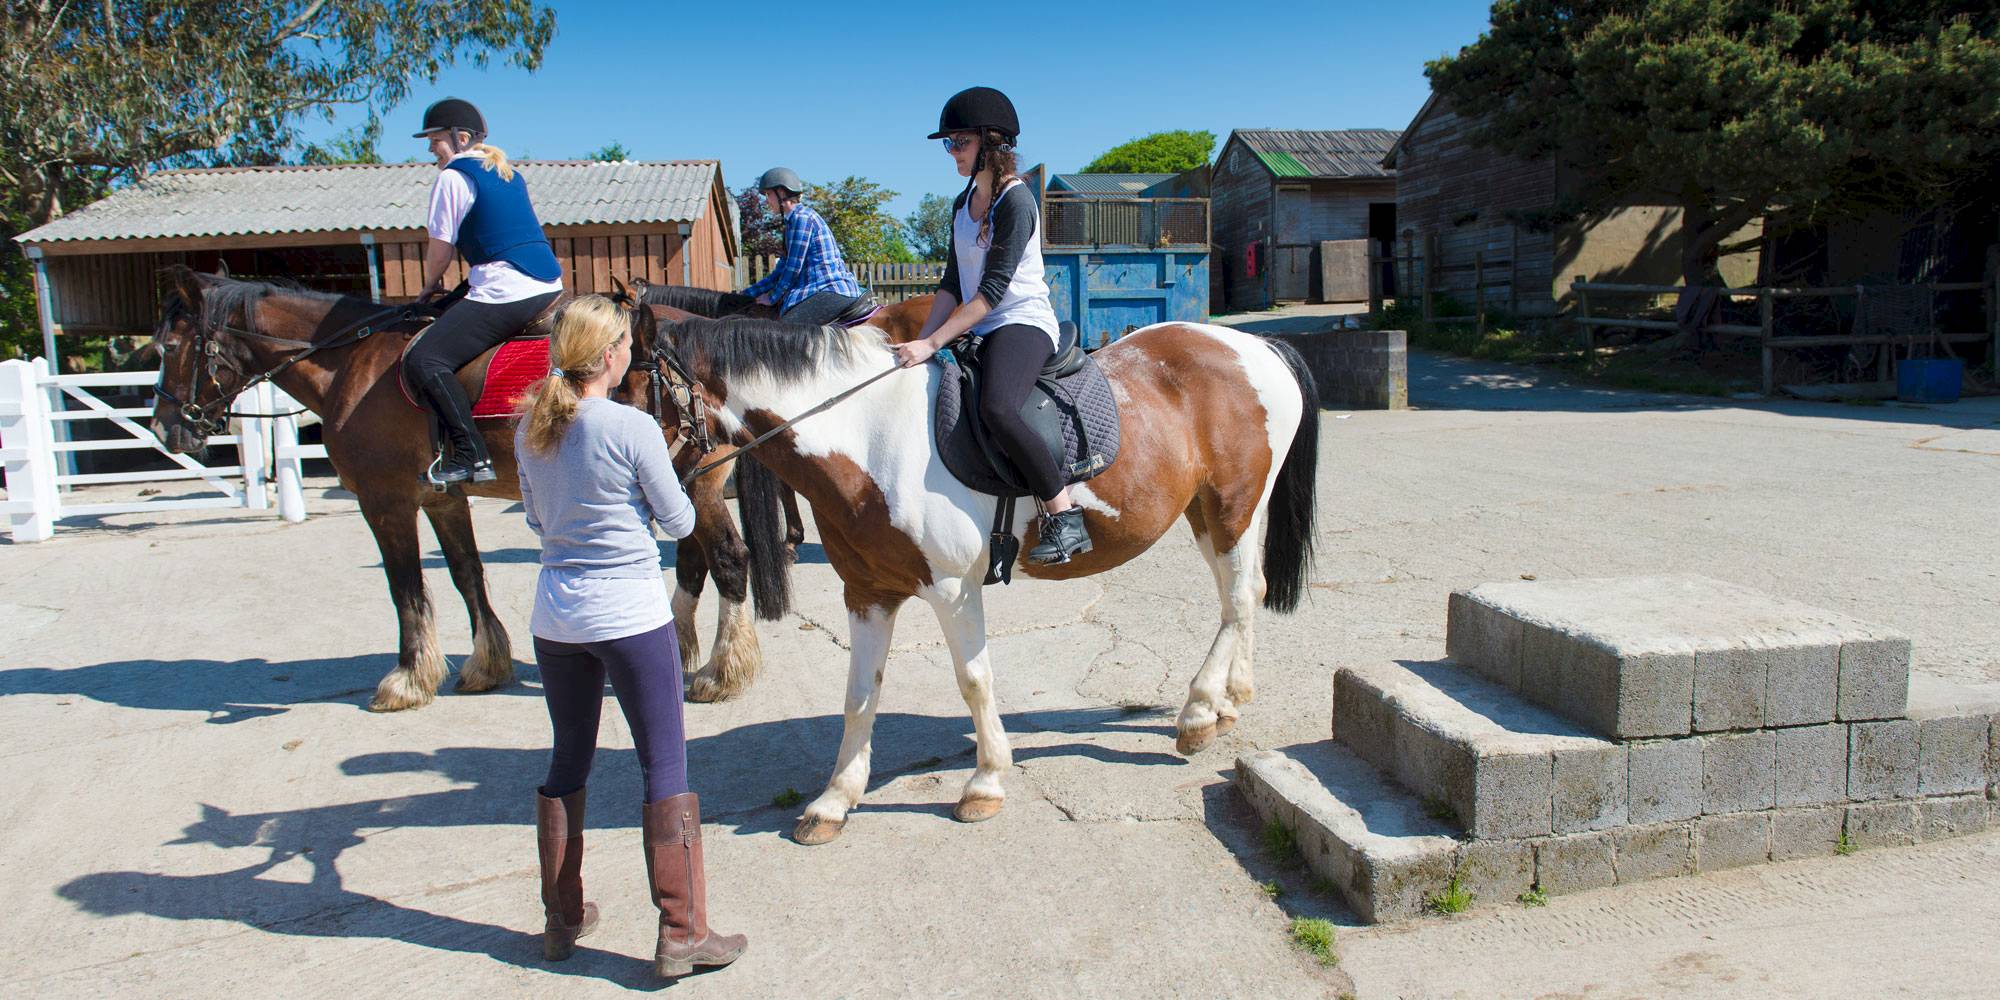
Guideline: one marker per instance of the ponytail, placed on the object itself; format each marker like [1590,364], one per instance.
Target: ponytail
[583,331]
[491,157]
[996,153]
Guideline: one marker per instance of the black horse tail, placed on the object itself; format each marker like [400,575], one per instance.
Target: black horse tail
[759,505]
[1288,540]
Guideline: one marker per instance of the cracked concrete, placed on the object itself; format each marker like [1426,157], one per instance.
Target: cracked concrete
[201,806]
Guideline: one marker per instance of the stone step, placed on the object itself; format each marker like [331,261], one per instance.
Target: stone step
[1663,656]
[1389,860]
[1497,765]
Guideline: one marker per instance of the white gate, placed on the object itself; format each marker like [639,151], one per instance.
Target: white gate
[35,450]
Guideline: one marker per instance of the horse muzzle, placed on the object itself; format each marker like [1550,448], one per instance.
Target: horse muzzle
[178,438]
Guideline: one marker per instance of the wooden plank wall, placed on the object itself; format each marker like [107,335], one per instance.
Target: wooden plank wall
[1464,194]
[591,256]
[106,293]
[1240,199]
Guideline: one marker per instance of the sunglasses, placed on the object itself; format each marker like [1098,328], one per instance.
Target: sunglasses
[953,143]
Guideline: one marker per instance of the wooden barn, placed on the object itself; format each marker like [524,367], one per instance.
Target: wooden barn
[1470,211]
[1280,194]
[359,230]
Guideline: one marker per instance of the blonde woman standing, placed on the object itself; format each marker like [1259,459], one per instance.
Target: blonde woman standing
[595,476]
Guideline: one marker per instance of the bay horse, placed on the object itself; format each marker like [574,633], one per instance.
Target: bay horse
[1217,427]
[339,356]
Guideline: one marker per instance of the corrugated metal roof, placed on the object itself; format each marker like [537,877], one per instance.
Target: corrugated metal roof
[242,201]
[1321,153]
[1107,184]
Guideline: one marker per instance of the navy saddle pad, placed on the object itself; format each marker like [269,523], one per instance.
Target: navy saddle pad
[1071,408]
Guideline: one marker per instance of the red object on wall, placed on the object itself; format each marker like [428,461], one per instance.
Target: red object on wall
[1252,256]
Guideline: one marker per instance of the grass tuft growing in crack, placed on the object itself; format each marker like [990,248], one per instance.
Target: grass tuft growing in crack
[1272,888]
[1843,846]
[787,798]
[1315,935]
[1453,898]
[1534,896]
[1440,810]
[1280,844]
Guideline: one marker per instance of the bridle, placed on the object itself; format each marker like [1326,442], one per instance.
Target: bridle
[212,417]
[667,375]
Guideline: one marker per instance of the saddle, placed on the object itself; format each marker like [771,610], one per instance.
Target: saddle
[1071,408]
[860,312]
[494,380]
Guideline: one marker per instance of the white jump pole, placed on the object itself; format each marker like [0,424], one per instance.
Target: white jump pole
[285,457]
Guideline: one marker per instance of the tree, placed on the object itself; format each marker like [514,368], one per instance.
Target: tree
[1158,153]
[356,145]
[853,209]
[1733,108]
[763,232]
[111,89]
[929,227]
[613,153]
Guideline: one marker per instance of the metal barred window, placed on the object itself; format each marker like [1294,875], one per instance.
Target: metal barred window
[1125,222]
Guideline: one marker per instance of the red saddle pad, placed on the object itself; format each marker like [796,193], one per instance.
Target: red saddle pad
[518,363]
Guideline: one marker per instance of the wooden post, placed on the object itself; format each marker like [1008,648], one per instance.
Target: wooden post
[1429,267]
[1583,315]
[1514,274]
[1479,291]
[1374,284]
[1406,287]
[29,456]
[1767,328]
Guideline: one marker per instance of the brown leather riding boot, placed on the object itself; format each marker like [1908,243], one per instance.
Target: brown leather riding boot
[673,864]
[559,834]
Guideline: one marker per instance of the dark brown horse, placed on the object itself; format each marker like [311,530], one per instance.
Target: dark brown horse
[338,356]
[899,321]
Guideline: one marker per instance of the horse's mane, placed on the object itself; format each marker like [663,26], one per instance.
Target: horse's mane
[222,298]
[784,352]
[700,301]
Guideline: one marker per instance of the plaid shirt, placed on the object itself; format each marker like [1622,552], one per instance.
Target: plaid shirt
[812,263]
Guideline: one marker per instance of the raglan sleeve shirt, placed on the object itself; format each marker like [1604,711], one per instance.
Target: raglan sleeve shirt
[1013,222]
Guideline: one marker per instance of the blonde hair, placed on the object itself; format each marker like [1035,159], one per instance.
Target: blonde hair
[491,157]
[585,329]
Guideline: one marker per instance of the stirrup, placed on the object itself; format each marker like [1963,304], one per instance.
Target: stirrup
[442,474]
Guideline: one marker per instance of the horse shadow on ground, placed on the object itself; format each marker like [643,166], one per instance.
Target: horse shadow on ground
[737,772]
[809,553]
[228,690]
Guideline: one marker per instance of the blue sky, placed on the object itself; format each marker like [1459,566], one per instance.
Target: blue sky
[832,90]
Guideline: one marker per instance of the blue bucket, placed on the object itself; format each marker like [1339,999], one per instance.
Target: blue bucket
[1929,380]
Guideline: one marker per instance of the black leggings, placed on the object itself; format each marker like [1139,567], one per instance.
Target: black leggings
[819,308]
[468,330]
[1012,356]
[645,673]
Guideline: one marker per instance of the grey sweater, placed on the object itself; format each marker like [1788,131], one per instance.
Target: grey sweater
[590,500]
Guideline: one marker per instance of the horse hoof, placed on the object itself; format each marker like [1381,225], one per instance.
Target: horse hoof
[470,684]
[976,810]
[1194,741]
[1224,724]
[813,831]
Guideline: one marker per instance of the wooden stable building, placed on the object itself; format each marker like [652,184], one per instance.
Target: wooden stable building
[1278,195]
[1466,213]
[359,230]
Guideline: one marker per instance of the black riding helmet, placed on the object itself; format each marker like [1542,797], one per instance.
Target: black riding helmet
[781,178]
[977,108]
[452,113]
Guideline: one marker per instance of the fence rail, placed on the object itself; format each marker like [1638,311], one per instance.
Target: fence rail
[1894,307]
[38,419]
[887,280]
[1070,221]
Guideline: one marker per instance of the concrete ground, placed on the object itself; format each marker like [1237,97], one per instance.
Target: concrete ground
[199,805]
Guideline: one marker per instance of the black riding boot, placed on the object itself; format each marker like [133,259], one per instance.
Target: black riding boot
[1062,537]
[461,454]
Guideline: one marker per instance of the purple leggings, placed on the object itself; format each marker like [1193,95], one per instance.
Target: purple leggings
[645,672]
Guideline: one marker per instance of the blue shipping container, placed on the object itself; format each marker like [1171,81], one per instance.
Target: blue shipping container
[1110,292]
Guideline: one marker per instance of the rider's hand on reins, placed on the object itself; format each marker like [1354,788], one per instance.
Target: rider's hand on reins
[914,353]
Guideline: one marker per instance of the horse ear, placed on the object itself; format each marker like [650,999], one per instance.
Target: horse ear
[186,283]
[221,268]
[624,293]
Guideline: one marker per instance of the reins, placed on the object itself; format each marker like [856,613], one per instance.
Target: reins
[775,431]
[198,413]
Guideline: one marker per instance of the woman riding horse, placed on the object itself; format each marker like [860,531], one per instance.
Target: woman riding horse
[479,207]
[993,290]
[811,284]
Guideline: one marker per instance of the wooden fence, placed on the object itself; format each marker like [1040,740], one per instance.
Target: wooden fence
[889,281]
[1590,318]
[1417,271]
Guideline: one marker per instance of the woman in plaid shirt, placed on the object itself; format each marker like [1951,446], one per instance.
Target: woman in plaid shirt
[811,285]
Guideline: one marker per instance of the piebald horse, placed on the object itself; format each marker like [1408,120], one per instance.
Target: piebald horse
[338,356]
[1217,427]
